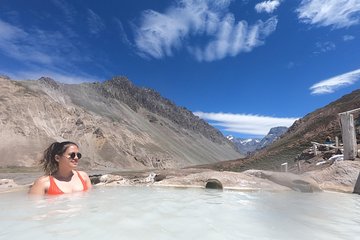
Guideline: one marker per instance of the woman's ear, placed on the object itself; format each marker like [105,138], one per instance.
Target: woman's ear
[57,158]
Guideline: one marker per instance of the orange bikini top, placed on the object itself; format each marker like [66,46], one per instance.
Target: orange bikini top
[54,189]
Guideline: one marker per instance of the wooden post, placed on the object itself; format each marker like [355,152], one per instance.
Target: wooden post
[336,141]
[314,149]
[284,167]
[348,136]
[357,185]
[299,166]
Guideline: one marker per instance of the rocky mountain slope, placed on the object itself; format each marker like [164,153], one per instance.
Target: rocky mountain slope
[248,146]
[315,126]
[116,124]
[274,134]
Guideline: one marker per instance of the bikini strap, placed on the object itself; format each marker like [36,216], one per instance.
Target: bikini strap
[53,188]
[82,181]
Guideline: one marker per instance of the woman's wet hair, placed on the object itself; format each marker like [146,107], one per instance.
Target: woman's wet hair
[48,162]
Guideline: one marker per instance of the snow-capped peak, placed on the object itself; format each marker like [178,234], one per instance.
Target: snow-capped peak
[246,141]
[230,137]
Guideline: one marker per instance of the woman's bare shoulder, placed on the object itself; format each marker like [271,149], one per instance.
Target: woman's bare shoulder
[42,179]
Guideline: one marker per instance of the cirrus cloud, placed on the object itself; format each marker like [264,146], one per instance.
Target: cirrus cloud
[334,13]
[206,29]
[245,123]
[95,23]
[42,53]
[35,45]
[334,83]
[57,74]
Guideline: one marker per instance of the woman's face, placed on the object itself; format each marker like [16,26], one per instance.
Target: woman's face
[70,158]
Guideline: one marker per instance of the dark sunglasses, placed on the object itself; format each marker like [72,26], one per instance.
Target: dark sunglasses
[73,155]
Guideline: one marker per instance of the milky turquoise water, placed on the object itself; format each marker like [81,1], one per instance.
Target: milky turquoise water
[169,213]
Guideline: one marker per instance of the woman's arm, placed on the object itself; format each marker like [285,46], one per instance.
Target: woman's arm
[39,186]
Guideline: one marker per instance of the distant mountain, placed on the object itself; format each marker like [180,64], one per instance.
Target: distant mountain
[274,134]
[245,146]
[248,146]
[117,124]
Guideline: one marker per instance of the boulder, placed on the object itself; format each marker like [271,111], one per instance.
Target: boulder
[341,176]
[290,180]
[7,185]
[228,180]
[109,179]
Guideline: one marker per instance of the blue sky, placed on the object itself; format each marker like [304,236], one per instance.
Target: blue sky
[243,65]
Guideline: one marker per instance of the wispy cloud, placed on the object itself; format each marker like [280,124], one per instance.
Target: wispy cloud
[42,52]
[334,13]
[245,123]
[68,11]
[232,39]
[290,65]
[189,23]
[267,6]
[36,46]
[332,84]
[59,76]
[9,31]
[123,35]
[18,44]
[322,47]
[347,38]
[96,24]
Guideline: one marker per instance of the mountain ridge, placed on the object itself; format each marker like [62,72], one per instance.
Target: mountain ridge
[249,146]
[36,112]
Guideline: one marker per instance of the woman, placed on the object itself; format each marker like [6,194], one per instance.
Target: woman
[59,163]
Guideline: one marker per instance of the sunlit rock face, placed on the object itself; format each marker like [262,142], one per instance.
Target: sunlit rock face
[274,134]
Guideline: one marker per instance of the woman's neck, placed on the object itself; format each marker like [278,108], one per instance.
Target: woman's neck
[63,175]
